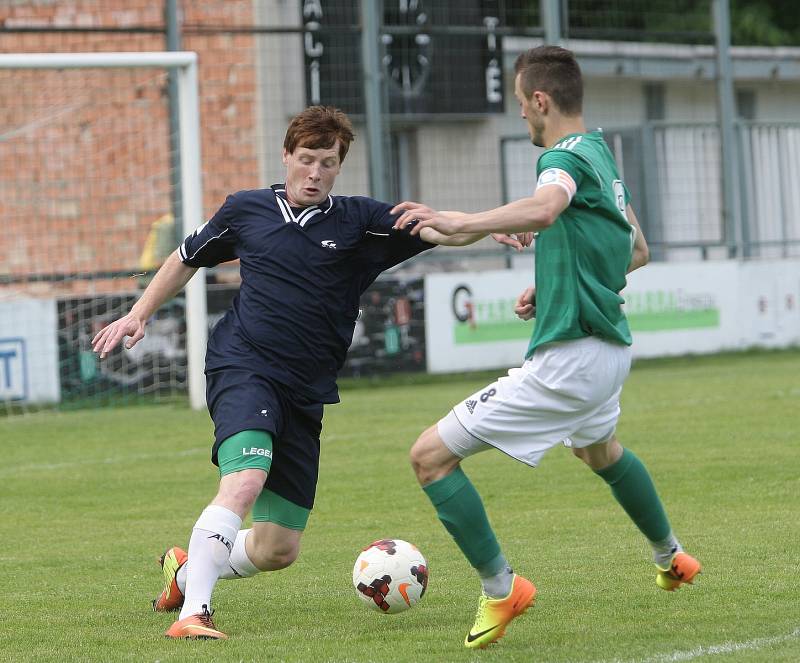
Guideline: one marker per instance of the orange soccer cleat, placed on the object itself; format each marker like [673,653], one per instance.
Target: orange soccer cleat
[495,614]
[171,598]
[682,569]
[199,626]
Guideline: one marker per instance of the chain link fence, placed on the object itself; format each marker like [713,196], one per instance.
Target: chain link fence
[88,173]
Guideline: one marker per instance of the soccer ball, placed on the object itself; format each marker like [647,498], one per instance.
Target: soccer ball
[390,575]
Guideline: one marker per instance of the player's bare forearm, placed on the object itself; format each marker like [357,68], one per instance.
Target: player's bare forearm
[433,236]
[169,280]
[641,252]
[460,239]
[639,259]
[520,216]
[525,215]
[516,242]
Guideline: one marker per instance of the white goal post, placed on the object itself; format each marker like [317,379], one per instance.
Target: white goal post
[191,199]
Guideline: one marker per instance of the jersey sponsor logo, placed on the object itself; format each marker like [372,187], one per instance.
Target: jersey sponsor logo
[471,405]
[255,451]
[328,243]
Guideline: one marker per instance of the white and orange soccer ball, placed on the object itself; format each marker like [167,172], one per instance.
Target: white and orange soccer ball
[390,575]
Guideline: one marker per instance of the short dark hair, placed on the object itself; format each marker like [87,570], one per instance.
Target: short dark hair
[553,70]
[318,127]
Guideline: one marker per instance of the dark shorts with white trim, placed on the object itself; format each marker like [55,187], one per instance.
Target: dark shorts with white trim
[241,400]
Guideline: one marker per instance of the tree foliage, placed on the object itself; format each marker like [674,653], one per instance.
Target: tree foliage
[765,22]
[753,22]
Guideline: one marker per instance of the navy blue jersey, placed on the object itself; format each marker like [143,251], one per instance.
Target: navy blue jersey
[303,272]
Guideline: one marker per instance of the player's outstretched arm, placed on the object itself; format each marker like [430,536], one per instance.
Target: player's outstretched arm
[433,236]
[641,253]
[530,214]
[168,281]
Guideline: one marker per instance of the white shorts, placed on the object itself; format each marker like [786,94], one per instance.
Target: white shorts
[567,392]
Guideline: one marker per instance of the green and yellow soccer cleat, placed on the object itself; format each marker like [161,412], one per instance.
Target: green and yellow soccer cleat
[682,569]
[495,614]
[171,598]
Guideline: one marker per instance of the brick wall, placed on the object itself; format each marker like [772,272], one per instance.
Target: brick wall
[84,154]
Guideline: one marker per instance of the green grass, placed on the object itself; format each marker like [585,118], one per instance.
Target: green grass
[88,500]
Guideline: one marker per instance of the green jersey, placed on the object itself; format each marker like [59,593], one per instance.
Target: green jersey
[582,259]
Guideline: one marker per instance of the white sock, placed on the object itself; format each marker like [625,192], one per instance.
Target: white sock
[209,550]
[239,565]
[499,585]
[180,578]
[664,550]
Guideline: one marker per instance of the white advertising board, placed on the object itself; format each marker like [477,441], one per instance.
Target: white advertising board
[770,298]
[29,351]
[470,322]
[672,308]
[684,308]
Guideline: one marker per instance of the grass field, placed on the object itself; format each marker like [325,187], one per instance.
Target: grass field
[89,499]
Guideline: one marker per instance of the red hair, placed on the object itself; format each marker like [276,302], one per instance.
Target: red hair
[319,127]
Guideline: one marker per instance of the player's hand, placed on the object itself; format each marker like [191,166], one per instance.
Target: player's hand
[425,217]
[517,241]
[109,337]
[526,238]
[525,308]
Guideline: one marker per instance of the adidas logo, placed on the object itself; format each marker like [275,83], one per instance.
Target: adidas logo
[471,406]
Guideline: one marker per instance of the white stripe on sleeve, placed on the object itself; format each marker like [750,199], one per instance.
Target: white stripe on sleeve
[200,248]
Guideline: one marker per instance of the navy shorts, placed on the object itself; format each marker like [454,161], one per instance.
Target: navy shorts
[240,400]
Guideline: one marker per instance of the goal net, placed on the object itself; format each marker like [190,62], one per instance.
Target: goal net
[97,186]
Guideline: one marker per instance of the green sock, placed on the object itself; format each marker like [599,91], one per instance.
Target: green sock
[633,488]
[461,511]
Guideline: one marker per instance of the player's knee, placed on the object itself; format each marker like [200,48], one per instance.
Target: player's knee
[580,453]
[419,455]
[272,555]
[601,454]
[249,489]
[430,459]
[242,488]
[280,559]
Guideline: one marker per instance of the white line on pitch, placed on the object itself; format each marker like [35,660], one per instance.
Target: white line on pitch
[713,650]
[33,467]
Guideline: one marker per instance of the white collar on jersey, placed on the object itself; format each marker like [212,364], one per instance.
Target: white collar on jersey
[307,213]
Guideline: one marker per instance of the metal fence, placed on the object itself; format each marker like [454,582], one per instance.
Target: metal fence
[429,85]
[706,137]
[674,173]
